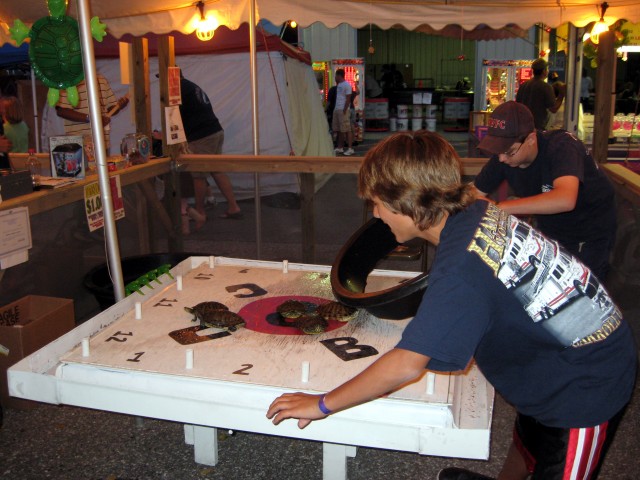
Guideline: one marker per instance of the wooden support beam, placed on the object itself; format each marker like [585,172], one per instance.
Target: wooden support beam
[141,86]
[166,59]
[605,77]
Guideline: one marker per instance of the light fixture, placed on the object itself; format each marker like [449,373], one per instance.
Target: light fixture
[206,26]
[600,26]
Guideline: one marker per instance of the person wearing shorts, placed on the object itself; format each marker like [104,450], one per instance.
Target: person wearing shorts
[537,322]
[341,122]
[205,135]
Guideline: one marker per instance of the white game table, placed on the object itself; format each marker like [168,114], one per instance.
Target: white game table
[124,360]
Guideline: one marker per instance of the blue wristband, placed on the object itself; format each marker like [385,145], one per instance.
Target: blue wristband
[323,408]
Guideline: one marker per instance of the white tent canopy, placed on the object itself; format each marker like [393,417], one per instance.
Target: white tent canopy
[163,16]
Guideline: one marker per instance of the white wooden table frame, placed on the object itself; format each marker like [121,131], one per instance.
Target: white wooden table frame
[459,429]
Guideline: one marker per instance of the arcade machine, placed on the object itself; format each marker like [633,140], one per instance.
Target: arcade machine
[501,80]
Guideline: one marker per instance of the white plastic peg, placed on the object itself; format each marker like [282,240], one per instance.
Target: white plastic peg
[305,372]
[431,383]
[212,261]
[138,311]
[85,347]
[189,364]
[179,283]
[285,266]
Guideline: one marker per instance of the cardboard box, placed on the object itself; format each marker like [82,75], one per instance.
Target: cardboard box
[27,325]
[67,156]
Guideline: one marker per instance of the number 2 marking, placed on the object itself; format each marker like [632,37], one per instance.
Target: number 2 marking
[246,366]
[136,358]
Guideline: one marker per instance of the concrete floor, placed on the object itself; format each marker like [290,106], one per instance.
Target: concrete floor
[62,442]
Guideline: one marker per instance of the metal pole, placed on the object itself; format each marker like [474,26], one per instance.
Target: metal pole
[93,94]
[36,117]
[255,123]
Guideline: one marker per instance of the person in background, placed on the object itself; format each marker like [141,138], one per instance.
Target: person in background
[492,278]
[77,120]
[5,147]
[586,87]
[341,116]
[556,120]
[15,129]
[538,95]
[556,179]
[331,105]
[372,88]
[205,135]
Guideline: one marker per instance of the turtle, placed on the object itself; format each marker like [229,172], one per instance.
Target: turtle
[216,315]
[291,309]
[337,311]
[312,324]
[55,51]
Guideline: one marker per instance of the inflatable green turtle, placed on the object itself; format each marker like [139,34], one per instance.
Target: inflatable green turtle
[54,51]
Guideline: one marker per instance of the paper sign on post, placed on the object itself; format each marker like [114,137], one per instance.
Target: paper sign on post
[175,94]
[175,129]
[93,203]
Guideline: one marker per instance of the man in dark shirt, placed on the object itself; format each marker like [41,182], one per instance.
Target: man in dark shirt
[538,95]
[5,146]
[204,136]
[556,179]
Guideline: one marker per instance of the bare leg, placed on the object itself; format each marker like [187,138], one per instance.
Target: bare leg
[514,467]
[224,184]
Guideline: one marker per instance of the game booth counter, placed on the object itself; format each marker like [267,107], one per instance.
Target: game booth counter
[146,356]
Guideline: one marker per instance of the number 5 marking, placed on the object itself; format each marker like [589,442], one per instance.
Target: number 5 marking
[246,366]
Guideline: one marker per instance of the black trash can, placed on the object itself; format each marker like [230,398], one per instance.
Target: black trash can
[97,281]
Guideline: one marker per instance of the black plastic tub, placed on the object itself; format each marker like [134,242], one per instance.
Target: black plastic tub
[355,261]
[97,281]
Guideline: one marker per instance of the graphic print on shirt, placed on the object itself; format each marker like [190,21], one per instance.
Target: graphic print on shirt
[555,289]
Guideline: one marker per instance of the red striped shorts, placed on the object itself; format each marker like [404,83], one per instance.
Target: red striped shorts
[563,453]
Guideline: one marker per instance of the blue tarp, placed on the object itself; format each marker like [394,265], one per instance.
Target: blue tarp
[10,55]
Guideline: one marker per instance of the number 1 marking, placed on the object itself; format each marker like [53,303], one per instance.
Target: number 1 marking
[136,358]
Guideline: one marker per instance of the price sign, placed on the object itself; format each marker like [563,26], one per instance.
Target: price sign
[93,203]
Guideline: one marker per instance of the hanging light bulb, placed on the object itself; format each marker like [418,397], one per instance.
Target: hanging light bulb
[600,26]
[206,26]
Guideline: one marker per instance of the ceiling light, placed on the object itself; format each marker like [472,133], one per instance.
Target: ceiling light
[600,26]
[206,26]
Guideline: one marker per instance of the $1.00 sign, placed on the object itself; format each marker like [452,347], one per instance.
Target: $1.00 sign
[93,203]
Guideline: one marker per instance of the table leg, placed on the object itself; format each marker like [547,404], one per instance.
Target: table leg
[334,460]
[205,443]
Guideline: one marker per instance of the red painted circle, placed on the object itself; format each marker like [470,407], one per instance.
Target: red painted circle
[262,315]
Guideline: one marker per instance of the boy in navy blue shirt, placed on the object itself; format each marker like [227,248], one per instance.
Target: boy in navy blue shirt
[538,323]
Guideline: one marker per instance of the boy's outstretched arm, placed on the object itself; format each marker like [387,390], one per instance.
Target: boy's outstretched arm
[393,369]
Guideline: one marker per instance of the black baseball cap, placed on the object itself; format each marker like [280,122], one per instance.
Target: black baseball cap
[508,123]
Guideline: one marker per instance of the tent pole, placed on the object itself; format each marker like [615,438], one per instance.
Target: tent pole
[93,94]
[255,123]
[36,117]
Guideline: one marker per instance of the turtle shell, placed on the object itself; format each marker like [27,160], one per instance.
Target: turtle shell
[291,309]
[203,309]
[312,324]
[337,311]
[223,319]
[55,51]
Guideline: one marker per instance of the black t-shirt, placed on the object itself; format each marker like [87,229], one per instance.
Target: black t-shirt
[4,157]
[560,154]
[541,328]
[196,111]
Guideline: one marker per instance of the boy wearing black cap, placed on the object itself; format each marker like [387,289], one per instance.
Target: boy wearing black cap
[538,96]
[556,179]
[536,321]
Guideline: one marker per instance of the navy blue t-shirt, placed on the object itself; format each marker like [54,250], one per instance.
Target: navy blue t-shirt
[560,154]
[541,327]
[197,114]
